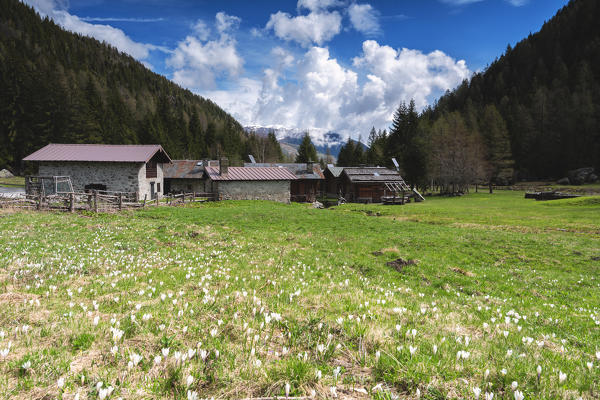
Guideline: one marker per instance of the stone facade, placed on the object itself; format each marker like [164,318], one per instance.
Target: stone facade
[253,190]
[116,176]
[187,185]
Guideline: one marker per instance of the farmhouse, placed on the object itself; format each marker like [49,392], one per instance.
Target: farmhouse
[117,168]
[240,183]
[369,184]
[309,179]
[187,176]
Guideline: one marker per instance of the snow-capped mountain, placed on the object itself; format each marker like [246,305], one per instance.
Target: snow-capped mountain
[291,137]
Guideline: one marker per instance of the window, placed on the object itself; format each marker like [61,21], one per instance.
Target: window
[151,169]
[158,187]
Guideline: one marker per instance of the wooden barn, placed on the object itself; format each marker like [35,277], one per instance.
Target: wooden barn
[333,181]
[369,184]
[309,182]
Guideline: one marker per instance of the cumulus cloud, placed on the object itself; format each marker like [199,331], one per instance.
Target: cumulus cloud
[316,27]
[516,3]
[316,92]
[364,18]
[198,61]
[57,11]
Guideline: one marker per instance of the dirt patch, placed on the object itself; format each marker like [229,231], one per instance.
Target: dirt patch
[16,297]
[377,253]
[85,361]
[462,272]
[399,263]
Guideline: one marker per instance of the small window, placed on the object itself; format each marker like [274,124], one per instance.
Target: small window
[158,187]
[151,169]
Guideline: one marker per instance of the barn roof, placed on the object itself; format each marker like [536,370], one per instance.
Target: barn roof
[251,174]
[372,174]
[100,153]
[301,170]
[184,169]
[335,171]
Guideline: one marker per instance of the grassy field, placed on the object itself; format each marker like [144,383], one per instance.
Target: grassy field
[450,298]
[15,181]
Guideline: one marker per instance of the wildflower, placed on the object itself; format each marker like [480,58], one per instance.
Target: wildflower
[60,383]
[257,363]
[476,392]
[598,355]
[157,360]
[539,373]
[561,377]
[318,374]
[486,374]
[514,385]
[114,350]
[435,349]
[165,351]
[26,365]
[590,365]
[489,396]
[189,380]
[519,395]
[336,372]
[412,350]
[333,391]
[192,395]
[287,389]
[96,319]
[418,393]
[321,348]
[503,371]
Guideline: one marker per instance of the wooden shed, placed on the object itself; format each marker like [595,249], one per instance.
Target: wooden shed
[368,184]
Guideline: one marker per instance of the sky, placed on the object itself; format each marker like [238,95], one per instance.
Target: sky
[321,65]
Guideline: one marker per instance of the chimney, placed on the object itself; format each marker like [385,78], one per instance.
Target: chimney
[309,166]
[223,166]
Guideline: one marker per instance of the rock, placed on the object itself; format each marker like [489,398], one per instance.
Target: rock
[5,174]
[592,178]
[580,176]
[317,204]
[563,181]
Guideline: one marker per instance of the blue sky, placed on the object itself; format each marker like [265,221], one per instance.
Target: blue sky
[340,65]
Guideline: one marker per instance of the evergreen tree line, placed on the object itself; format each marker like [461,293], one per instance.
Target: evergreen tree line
[547,91]
[450,152]
[532,114]
[61,87]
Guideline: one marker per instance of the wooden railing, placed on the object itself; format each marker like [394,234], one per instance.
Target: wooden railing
[99,201]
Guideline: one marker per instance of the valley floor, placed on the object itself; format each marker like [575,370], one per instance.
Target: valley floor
[441,299]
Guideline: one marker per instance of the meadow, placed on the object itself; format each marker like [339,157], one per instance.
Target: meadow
[476,297]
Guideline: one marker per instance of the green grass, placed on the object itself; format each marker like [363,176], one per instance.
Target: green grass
[15,181]
[263,294]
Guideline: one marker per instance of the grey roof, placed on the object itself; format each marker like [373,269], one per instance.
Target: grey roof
[184,169]
[251,174]
[301,170]
[99,152]
[372,174]
[335,171]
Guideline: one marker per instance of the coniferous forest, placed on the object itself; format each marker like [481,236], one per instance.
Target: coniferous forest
[534,113]
[544,92]
[61,87]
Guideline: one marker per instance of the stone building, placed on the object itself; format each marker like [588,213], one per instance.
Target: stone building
[118,168]
[187,176]
[309,179]
[240,183]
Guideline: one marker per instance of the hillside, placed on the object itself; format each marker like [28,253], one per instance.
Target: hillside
[61,87]
[547,89]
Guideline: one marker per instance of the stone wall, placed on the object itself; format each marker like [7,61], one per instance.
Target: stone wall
[187,185]
[117,176]
[145,182]
[254,190]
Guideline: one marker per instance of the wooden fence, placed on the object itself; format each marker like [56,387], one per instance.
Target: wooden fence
[99,201]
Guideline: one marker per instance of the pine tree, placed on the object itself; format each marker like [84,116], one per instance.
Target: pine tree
[306,151]
[497,144]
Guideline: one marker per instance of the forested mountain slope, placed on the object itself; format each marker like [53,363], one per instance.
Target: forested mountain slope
[547,89]
[62,87]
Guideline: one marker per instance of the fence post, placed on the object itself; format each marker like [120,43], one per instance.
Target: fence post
[183,197]
[89,201]
[144,203]
[39,203]
[71,202]
[193,196]
[120,201]
[95,201]
[157,195]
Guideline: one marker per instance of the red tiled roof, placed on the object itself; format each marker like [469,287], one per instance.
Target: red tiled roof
[99,152]
[251,174]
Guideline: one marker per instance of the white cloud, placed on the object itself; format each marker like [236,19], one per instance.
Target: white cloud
[518,3]
[316,92]
[120,19]
[316,27]
[198,62]
[105,33]
[364,18]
